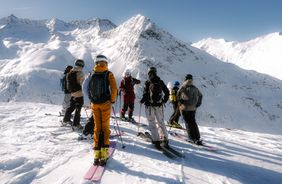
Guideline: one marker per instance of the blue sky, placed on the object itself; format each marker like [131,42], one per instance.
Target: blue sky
[188,20]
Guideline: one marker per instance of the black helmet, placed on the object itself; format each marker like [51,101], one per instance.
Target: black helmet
[67,69]
[152,70]
[176,83]
[79,62]
[188,76]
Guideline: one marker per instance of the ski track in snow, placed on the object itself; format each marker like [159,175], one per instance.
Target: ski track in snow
[35,148]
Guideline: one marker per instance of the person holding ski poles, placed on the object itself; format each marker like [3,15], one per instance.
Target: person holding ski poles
[67,96]
[174,118]
[155,95]
[190,98]
[75,79]
[102,92]
[127,91]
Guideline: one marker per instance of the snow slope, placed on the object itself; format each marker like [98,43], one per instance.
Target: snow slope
[36,149]
[33,54]
[262,54]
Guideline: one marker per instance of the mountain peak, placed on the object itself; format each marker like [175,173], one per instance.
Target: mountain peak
[12,19]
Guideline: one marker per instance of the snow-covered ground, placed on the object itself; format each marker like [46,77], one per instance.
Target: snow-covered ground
[36,149]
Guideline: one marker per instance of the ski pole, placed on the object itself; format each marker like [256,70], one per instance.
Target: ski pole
[123,146]
[139,118]
[86,113]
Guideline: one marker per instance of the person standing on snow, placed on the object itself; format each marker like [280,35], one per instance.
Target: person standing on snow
[155,95]
[174,118]
[75,79]
[102,92]
[190,98]
[127,90]
[67,93]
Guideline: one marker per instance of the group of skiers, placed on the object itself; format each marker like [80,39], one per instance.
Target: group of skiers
[101,88]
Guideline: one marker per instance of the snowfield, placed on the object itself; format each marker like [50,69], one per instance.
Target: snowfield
[36,149]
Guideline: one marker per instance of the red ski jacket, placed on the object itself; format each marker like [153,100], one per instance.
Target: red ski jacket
[127,89]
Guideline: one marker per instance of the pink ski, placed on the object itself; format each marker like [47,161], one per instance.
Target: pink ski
[100,170]
[95,172]
[90,172]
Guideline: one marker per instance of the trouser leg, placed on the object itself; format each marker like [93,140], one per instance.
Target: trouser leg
[159,113]
[124,109]
[191,125]
[130,110]
[66,103]
[78,106]
[152,124]
[67,116]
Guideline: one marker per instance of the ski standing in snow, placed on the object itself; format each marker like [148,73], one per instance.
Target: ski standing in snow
[102,92]
[190,98]
[74,80]
[127,91]
[155,95]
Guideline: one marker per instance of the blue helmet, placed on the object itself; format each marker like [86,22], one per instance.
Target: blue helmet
[176,83]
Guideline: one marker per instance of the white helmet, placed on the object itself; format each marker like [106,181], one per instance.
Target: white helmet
[127,73]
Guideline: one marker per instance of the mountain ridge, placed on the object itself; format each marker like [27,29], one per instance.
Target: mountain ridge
[233,97]
[261,54]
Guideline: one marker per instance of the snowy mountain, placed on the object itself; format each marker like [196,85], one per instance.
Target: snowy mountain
[34,54]
[37,149]
[262,54]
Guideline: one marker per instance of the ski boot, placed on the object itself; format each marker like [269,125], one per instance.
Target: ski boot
[104,156]
[97,155]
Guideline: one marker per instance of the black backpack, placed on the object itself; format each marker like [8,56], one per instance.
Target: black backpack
[155,92]
[98,90]
[72,84]
[64,84]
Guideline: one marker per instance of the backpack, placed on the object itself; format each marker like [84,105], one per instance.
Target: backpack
[172,95]
[98,90]
[155,92]
[72,84]
[190,96]
[64,84]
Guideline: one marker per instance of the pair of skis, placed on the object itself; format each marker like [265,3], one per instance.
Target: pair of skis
[81,137]
[95,172]
[125,119]
[165,149]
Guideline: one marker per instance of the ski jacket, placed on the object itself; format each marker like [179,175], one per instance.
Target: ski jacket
[127,89]
[172,95]
[189,101]
[146,92]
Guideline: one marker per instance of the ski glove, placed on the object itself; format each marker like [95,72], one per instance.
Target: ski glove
[142,101]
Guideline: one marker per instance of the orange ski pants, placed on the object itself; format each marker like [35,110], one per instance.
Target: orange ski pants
[102,115]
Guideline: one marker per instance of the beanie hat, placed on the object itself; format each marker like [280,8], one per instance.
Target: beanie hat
[101,58]
[152,70]
[67,69]
[79,62]
[176,83]
[188,76]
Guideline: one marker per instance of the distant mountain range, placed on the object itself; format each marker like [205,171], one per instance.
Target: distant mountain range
[262,54]
[34,53]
